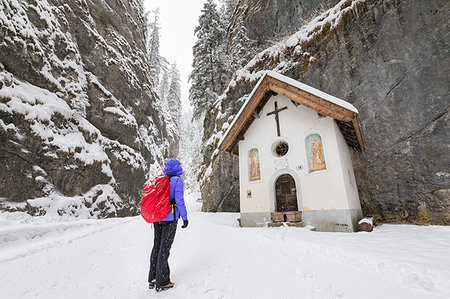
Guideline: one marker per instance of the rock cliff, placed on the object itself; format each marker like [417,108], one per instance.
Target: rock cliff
[79,127]
[269,21]
[388,58]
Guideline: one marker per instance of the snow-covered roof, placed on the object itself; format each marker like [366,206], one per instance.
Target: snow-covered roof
[312,90]
[345,113]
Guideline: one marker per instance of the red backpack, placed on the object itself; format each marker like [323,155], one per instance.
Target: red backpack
[155,201]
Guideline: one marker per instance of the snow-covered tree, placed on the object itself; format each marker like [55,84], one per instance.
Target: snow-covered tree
[166,83]
[207,76]
[156,59]
[163,87]
[227,9]
[222,47]
[241,47]
[190,149]
[174,93]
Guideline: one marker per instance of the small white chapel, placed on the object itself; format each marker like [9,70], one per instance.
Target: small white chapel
[293,145]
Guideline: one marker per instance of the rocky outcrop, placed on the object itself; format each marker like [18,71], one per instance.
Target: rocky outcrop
[79,128]
[389,59]
[269,21]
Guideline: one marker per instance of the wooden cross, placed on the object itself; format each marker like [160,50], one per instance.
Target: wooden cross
[277,120]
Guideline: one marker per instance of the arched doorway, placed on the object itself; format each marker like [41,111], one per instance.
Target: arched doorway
[286,194]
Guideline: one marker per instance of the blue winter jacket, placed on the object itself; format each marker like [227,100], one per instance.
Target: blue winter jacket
[176,187]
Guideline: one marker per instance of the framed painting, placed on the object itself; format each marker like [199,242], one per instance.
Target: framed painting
[253,165]
[314,150]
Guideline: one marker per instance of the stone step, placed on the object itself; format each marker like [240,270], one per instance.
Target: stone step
[295,224]
[275,224]
[293,216]
[290,224]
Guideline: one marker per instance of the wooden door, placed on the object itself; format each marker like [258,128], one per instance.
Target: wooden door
[286,194]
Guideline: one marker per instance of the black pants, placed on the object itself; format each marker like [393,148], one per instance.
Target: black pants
[159,266]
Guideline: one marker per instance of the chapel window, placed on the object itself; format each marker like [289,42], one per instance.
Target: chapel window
[314,151]
[280,149]
[254,168]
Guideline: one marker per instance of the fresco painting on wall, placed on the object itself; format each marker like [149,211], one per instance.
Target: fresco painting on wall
[253,165]
[314,150]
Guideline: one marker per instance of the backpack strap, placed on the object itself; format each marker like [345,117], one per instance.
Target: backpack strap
[172,200]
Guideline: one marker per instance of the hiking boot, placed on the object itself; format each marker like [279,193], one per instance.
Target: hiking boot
[165,287]
[151,285]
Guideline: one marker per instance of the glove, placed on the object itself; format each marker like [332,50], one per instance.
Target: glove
[185,223]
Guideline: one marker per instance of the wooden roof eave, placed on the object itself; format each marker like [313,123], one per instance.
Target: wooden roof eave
[309,100]
[318,104]
[297,95]
[357,127]
[244,117]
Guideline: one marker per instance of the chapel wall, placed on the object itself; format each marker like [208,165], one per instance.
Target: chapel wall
[322,190]
[347,170]
[258,201]
[325,189]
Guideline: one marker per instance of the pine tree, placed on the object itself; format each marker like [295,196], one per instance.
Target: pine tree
[156,60]
[163,88]
[174,93]
[241,48]
[227,10]
[207,76]
[190,149]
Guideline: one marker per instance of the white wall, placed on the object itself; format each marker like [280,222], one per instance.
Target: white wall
[322,190]
[347,171]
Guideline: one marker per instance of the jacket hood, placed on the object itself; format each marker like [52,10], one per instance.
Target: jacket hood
[173,167]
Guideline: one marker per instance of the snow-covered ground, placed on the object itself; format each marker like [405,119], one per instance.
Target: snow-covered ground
[214,258]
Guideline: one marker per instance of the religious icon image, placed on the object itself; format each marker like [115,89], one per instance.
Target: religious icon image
[314,150]
[253,165]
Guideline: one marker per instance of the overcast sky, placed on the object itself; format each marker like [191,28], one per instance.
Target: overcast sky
[178,19]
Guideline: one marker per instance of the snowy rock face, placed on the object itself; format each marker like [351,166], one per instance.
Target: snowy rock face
[388,58]
[79,129]
[271,20]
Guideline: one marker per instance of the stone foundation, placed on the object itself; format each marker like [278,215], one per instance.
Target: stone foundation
[333,220]
[259,219]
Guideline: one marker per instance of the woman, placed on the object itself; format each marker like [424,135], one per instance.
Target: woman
[159,275]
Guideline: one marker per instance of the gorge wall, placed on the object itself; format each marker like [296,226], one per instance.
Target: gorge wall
[79,127]
[389,59]
[270,21]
